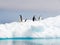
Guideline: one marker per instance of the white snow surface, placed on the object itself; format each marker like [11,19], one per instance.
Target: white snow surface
[49,27]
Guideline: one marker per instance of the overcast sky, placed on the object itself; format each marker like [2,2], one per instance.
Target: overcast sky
[28,8]
[31,4]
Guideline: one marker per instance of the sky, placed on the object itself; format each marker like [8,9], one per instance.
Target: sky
[11,9]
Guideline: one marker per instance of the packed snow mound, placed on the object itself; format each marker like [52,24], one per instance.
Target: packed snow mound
[49,27]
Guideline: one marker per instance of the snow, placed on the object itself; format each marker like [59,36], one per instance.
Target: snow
[49,27]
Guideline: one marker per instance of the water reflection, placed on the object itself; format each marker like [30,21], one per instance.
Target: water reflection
[31,42]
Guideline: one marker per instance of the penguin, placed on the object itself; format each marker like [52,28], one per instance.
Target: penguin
[20,18]
[25,20]
[39,18]
[33,18]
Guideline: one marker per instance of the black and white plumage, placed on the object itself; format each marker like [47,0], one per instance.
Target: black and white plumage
[33,18]
[20,17]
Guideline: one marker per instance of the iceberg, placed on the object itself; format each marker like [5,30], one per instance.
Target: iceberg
[47,28]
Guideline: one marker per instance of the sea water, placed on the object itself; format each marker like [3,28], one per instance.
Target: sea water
[31,42]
